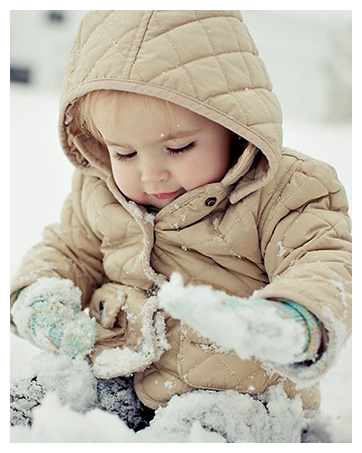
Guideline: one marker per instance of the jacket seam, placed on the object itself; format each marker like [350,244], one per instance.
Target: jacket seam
[97,27]
[193,22]
[308,177]
[217,55]
[307,247]
[264,102]
[140,44]
[214,55]
[179,59]
[185,375]
[90,36]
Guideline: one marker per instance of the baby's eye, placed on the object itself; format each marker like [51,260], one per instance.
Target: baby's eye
[123,157]
[182,149]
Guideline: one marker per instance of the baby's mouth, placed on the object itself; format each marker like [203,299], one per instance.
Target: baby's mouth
[167,195]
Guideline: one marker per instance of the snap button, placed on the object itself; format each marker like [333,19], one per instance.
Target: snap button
[210,202]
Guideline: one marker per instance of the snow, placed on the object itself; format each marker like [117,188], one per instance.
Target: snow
[234,323]
[151,345]
[135,210]
[66,414]
[40,180]
[281,249]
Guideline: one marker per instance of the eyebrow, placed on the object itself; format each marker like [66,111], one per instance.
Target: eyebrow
[163,138]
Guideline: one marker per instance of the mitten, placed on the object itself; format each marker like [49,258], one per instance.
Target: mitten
[265,329]
[49,314]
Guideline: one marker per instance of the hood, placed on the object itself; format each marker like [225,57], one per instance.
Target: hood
[204,61]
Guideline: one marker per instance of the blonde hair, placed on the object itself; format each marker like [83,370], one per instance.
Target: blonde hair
[155,107]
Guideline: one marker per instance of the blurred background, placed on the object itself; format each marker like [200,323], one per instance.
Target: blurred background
[309,58]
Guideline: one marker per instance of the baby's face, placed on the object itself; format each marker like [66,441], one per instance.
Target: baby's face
[158,156]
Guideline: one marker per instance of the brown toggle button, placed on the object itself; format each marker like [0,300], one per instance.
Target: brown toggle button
[210,202]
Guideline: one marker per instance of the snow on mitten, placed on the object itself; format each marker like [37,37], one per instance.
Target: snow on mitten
[48,314]
[251,327]
[79,336]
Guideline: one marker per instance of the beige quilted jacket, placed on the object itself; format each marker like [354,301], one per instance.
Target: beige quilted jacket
[277,223]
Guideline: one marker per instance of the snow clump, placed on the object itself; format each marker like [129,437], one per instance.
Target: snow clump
[234,323]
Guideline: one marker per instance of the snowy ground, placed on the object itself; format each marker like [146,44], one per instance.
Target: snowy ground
[40,179]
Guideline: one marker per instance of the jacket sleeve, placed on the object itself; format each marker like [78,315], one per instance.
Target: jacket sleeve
[306,245]
[69,249]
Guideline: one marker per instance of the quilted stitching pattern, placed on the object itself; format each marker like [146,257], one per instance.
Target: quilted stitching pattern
[203,60]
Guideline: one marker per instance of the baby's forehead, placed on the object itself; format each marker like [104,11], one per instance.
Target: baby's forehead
[130,112]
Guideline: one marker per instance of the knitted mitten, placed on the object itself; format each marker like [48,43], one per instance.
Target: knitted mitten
[268,330]
[48,313]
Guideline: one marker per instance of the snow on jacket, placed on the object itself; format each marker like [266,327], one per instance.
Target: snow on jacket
[276,225]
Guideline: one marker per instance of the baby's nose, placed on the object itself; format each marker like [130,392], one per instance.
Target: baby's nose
[154,173]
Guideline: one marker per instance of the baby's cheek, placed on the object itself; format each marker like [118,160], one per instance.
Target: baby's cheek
[124,182]
[202,175]
[192,175]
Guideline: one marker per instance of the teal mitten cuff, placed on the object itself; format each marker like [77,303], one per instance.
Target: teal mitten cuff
[311,325]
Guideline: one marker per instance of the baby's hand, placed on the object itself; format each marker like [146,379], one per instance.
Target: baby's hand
[48,313]
[251,327]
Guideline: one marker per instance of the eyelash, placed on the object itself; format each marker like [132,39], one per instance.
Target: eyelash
[181,150]
[171,151]
[123,157]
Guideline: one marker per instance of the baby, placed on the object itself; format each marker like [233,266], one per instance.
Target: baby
[170,120]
